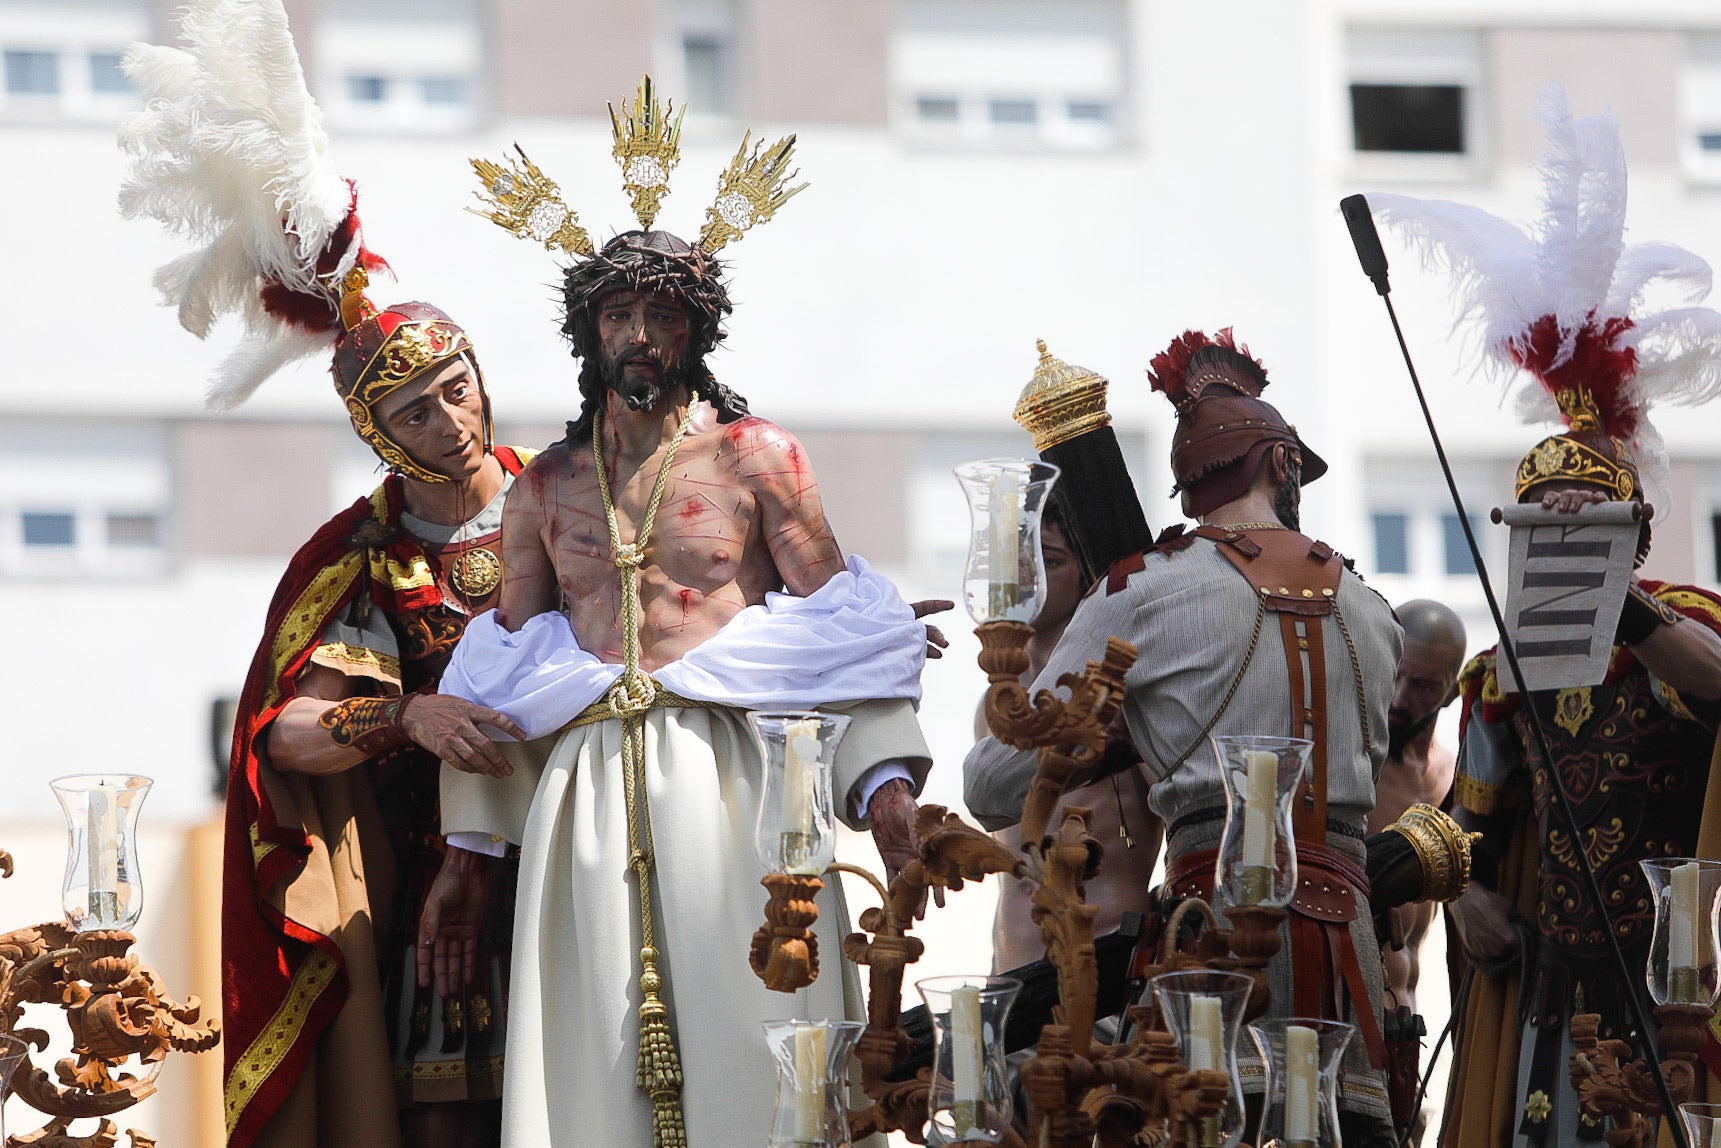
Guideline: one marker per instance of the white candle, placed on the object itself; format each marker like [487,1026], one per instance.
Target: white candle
[810,1084]
[102,832]
[967,1047]
[1302,1078]
[1004,514]
[800,792]
[1684,918]
[1259,795]
[1204,1029]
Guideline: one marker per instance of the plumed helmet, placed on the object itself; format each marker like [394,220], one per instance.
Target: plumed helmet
[1224,427]
[386,350]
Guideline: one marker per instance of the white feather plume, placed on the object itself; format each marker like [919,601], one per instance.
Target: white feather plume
[229,151]
[1573,263]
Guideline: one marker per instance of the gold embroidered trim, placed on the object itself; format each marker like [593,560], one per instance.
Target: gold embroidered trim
[453,1068]
[1477,796]
[304,620]
[1682,599]
[350,658]
[1669,697]
[271,1046]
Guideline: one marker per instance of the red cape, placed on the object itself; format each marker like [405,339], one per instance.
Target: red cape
[282,983]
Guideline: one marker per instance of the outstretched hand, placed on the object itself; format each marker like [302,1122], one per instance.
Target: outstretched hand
[449,925]
[449,727]
[936,642]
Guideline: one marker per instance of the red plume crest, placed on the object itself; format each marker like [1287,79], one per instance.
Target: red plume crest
[1597,363]
[317,311]
[1168,371]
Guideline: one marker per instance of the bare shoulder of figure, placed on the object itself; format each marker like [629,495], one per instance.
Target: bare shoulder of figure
[759,448]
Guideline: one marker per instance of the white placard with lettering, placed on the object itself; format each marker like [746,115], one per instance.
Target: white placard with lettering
[1568,576]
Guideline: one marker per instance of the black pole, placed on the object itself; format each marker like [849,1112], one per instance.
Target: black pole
[1373,259]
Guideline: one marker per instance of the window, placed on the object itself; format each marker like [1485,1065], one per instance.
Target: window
[1391,543]
[443,91]
[134,530]
[1454,547]
[367,89]
[1715,539]
[1413,101]
[48,528]
[1011,73]
[105,74]
[706,65]
[937,109]
[1408,118]
[429,81]
[1700,107]
[32,73]
[105,517]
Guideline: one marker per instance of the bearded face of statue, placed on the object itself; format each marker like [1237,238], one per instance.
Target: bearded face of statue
[643,340]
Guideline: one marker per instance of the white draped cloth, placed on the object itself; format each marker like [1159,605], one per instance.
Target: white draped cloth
[853,646]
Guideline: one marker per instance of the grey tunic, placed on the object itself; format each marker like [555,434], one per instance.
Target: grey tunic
[1191,614]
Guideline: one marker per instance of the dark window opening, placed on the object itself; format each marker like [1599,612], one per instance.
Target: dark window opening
[1457,549]
[48,528]
[1391,544]
[707,64]
[32,73]
[1089,111]
[1408,117]
[105,73]
[367,89]
[937,109]
[1018,112]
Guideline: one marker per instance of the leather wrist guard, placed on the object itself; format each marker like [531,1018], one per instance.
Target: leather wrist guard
[369,725]
[1641,616]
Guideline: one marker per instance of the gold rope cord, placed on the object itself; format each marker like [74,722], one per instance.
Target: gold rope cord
[658,1073]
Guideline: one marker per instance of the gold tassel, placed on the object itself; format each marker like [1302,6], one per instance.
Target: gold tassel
[659,1067]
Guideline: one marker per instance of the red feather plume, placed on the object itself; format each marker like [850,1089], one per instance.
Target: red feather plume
[1597,363]
[1168,371]
[320,311]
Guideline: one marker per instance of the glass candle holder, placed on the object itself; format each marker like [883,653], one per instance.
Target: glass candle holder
[812,1081]
[797,829]
[970,1096]
[1204,1011]
[1005,579]
[1682,964]
[1301,1057]
[1702,1124]
[1257,852]
[14,1054]
[103,888]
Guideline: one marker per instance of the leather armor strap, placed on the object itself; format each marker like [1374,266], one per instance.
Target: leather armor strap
[1298,579]
[1325,965]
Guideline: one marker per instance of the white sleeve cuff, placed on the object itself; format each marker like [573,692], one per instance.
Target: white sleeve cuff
[486,843]
[875,777]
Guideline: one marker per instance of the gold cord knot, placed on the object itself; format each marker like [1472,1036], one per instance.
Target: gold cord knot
[629,556]
[633,693]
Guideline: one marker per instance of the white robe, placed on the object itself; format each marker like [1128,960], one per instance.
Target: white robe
[573,1000]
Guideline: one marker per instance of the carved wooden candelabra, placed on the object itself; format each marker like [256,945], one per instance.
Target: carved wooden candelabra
[1613,1086]
[116,1010]
[1122,1094]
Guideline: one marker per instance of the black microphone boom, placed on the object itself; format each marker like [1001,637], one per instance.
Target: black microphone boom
[1373,259]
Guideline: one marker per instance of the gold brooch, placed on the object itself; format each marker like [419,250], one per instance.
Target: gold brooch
[1537,1106]
[476,574]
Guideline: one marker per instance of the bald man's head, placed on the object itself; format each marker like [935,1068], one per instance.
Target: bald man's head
[1434,643]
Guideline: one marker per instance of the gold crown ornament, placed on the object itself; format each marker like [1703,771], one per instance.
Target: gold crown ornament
[518,197]
[1061,402]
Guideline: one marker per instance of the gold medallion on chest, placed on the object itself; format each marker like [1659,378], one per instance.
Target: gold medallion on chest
[476,573]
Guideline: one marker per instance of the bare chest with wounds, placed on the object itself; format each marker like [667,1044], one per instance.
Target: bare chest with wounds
[705,560]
